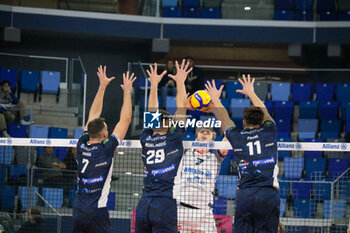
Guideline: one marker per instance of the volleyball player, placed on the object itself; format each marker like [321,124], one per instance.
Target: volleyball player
[200,168]
[255,147]
[162,151]
[95,151]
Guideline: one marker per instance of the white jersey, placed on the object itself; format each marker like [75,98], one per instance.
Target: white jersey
[198,176]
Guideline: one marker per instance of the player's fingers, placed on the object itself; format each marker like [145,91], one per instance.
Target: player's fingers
[132,75]
[213,83]
[122,86]
[248,78]
[149,74]
[164,72]
[221,88]
[171,76]
[240,91]
[133,80]
[104,70]
[182,63]
[206,87]
[189,70]
[244,79]
[112,78]
[177,65]
[240,81]
[123,76]
[155,68]
[151,68]
[186,66]
[253,81]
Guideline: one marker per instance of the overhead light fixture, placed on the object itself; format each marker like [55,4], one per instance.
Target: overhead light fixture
[247,8]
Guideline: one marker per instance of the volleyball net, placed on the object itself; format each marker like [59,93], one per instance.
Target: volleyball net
[313,178]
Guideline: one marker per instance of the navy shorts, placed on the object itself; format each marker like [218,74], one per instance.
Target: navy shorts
[94,221]
[156,215]
[257,210]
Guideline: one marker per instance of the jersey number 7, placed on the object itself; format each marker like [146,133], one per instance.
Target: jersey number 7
[155,156]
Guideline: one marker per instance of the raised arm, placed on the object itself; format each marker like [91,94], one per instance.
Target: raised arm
[218,109]
[97,104]
[125,114]
[154,79]
[181,96]
[248,90]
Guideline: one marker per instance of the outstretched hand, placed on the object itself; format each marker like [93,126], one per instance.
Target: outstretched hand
[181,71]
[104,80]
[127,82]
[154,78]
[213,91]
[247,85]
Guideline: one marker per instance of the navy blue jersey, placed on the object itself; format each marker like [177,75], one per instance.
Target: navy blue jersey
[256,152]
[161,156]
[95,164]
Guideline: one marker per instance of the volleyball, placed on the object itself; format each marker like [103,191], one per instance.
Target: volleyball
[200,100]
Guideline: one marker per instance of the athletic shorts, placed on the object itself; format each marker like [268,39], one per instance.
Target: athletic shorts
[198,220]
[93,221]
[257,210]
[156,215]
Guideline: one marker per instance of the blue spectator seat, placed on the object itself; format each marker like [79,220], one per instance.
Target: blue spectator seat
[3,172]
[237,106]
[283,207]
[191,12]
[211,13]
[339,208]
[55,132]
[280,91]
[345,111]
[301,91]
[313,154]
[343,92]
[293,167]
[337,166]
[141,82]
[238,122]
[212,3]
[61,153]
[111,201]
[303,208]
[54,196]
[71,194]
[190,3]
[284,127]
[16,171]
[315,167]
[7,197]
[226,103]
[269,106]
[172,12]
[344,190]
[171,104]
[169,3]
[219,138]
[328,15]
[325,92]
[344,16]
[330,128]
[308,109]
[304,5]
[261,89]
[283,154]
[347,126]
[50,81]
[29,81]
[9,75]
[189,136]
[307,128]
[301,190]
[77,132]
[284,15]
[28,196]
[284,110]
[304,16]
[7,154]
[17,131]
[231,87]
[322,191]
[325,5]
[220,206]
[39,131]
[226,186]
[226,164]
[329,110]
[284,4]
[284,188]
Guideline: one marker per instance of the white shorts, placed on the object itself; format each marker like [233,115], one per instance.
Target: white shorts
[195,220]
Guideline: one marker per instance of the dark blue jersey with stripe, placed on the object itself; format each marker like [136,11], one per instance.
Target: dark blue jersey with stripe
[95,164]
[161,156]
[256,152]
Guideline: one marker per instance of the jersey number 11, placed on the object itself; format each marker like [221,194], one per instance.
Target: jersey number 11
[251,147]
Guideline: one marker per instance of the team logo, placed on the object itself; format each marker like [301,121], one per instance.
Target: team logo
[85,190]
[151,120]
[298,146]
[128,143]
[343,146]
[211,144]
[48,142]
[9,141]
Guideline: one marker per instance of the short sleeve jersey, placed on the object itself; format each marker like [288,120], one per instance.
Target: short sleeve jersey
[256,152]
[161,156]
[95,164]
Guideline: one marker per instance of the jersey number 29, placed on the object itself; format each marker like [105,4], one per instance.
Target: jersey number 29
[251,147]
[155,156]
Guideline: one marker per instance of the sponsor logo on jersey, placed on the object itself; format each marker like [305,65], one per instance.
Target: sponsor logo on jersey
[172,152]
[263,161]
[86,153]
[163,170]
[270,144]
[243,164]
[85,190]
[254,137]
[101,164]
[199,161]
[105,141]
[92,180]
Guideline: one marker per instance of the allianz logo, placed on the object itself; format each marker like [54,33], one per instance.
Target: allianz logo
[289,145]
[73,142]
[38,141]
[203,144]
